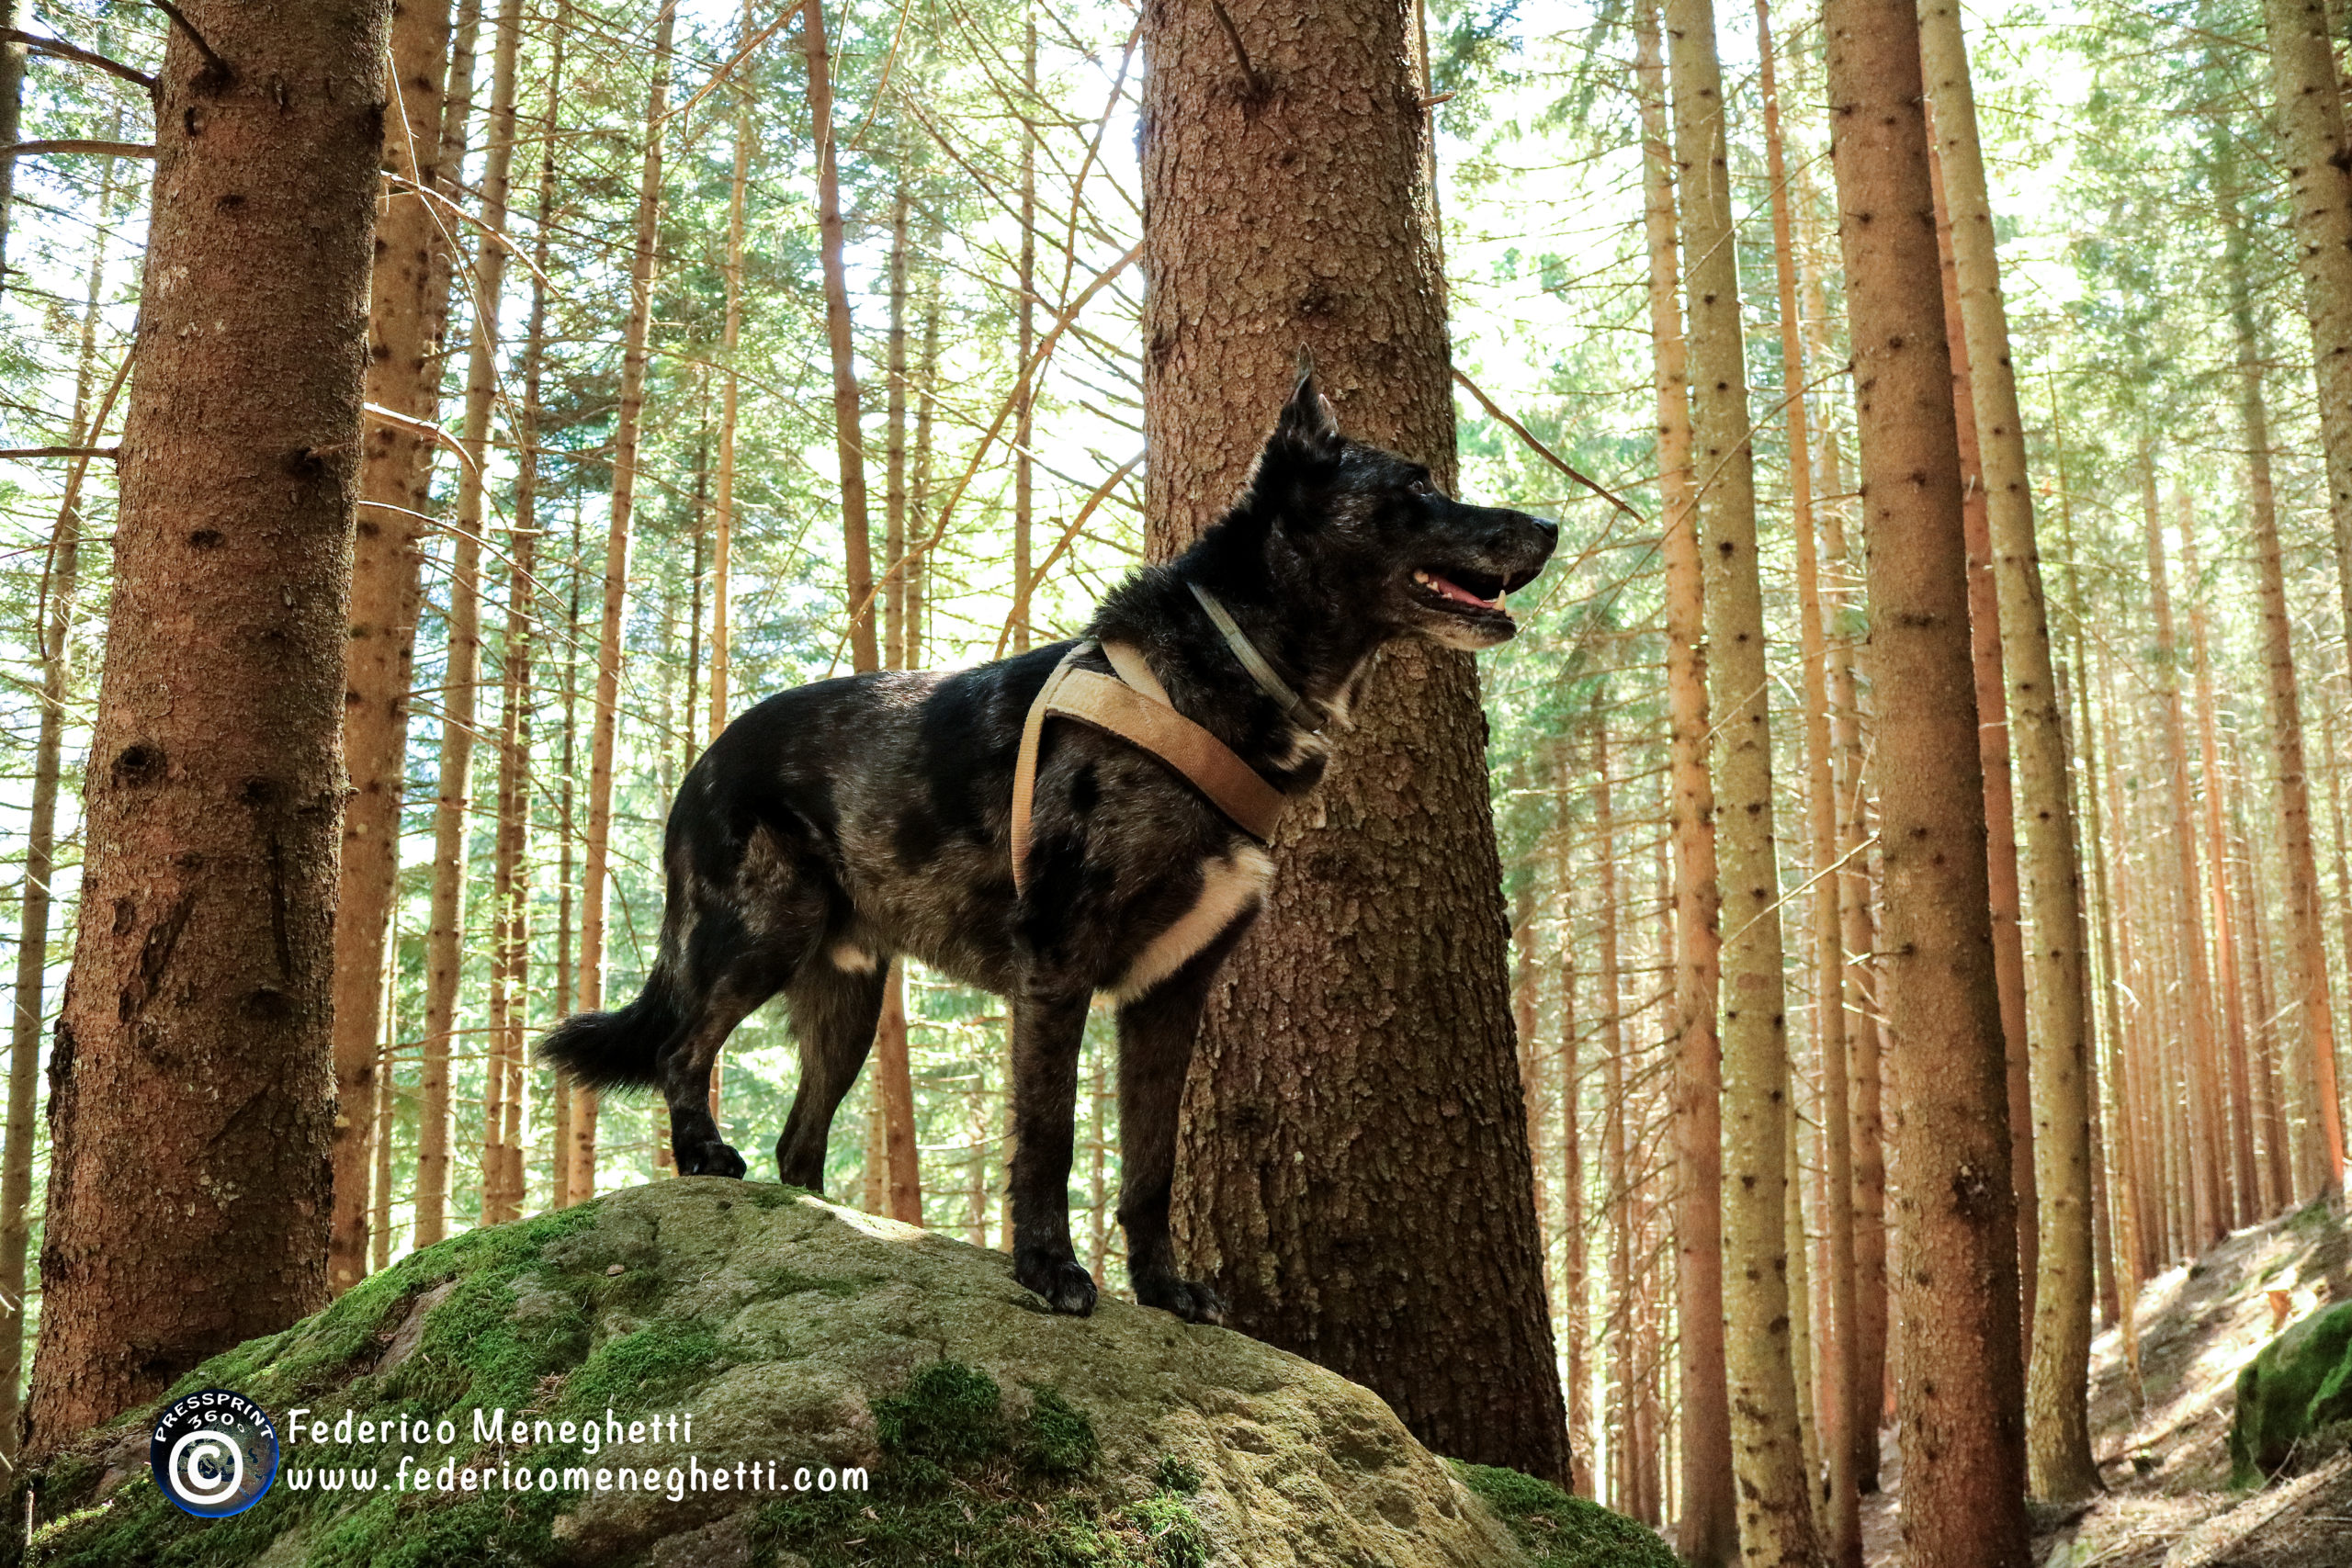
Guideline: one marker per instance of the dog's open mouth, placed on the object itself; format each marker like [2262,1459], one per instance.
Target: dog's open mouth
[1463,592]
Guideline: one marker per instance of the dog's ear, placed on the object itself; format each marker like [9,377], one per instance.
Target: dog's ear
[1307,428]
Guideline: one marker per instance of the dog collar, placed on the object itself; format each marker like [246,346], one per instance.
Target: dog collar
[1294,706]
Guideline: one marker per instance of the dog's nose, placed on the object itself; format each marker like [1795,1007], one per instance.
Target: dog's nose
[1549,529]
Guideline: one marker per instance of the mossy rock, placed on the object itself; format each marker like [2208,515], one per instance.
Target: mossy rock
[956,1419]
[2299,1384]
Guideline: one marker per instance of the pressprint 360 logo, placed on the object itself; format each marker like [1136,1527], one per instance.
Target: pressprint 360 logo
[214,1454]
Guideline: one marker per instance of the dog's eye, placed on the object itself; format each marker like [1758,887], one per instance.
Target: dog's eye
[1421,487]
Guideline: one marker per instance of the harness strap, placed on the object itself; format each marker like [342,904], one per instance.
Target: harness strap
[1135,707]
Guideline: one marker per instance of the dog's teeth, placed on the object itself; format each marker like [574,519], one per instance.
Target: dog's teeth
[1421,577]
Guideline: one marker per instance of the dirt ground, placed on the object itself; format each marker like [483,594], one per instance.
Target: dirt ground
[2162,1442]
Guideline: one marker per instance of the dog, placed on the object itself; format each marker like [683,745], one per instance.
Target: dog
[839,823]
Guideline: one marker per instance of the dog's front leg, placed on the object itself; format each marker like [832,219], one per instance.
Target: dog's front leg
[1049,1028]
[1155,1033]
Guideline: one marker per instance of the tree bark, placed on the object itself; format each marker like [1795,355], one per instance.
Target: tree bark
[1575,1286]
[1026,314]
[849,436]
[2311,124]
[1617,1171]
[195,1027]
[1962,1388]
[408,305]
[2306,940]
[1840,1363]
[722,555]
[1708,1532]
[581,1184]
[1388,1025]
[461,676]
[2058,1302]
[14,15]
[1776,1517]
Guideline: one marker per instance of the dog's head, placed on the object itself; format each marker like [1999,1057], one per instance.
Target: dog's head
[1422,563]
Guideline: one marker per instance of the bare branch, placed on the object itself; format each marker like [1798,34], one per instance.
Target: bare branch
[64,50]
[1545,452]
[213,64]
[22,452]
[74,144]
[1258,88]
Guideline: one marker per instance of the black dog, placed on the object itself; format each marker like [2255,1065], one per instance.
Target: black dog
[839,823]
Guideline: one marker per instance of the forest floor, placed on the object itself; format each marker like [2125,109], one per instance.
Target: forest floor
[2163,1447]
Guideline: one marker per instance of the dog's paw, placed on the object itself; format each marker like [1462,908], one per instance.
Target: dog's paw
[1067,1287]
[713,1158]
[1188,1298]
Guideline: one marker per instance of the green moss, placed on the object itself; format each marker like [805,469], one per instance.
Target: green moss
[787,1281]
[962,1480]
[1561,1531]
[1179,1476]
[2299,1384]
[1060,1440]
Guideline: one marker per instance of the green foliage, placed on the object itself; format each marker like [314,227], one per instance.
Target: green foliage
[1561,1531]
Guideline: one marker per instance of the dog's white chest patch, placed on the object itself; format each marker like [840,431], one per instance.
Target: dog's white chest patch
[1229,884]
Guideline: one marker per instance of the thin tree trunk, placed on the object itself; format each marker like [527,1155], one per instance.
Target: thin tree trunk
[55,631]
[2056,1245]
[16,14]
[731,334]
[1708,1534]
[894,533]
[1776,1514]
[453,807]
[1963,1380]
[1616,1168]
[2239,1113]
[1840,1365]
[1454,1333]
[408,305]
[2311,123]
[1992,740]
[197,1026]
[561,1194]
[849,438]
[604,721]
[1576,1328]
[2207,1144]
[1026,314]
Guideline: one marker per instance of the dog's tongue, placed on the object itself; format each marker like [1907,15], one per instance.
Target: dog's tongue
[1456,590]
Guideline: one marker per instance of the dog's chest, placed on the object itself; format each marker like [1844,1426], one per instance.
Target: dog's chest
[1231,884]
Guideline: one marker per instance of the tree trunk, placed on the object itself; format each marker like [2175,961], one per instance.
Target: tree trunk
[55,630]
[2238,1114]
[2058,1302]
[849,437]
[581,1184]
[408,304]
[2311,124]
[1574,1286]
[1708,1533]
[731,334]
[453,807]
[1839,1362]
[197,1021]
[2206,1144]
[1026,314]
[1776,1517]
[17,15]
[1992,744]
[1617,1171]
[2306,940]
[1399,1014]
[1962,1389]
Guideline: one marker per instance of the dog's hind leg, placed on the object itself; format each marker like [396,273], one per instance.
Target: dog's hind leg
[835,999]
[685,1079]
[1047,1032]
[1156,1034]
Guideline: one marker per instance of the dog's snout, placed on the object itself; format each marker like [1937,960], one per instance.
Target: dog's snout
[1549,529]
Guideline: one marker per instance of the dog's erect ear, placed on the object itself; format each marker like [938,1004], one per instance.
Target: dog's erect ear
[1307,424]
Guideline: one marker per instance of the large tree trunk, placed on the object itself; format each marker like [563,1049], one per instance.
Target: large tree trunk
[1842,1524]
[409,301]
[1383,1024]
[55,631]
[2311,124]
[1776,1517]
[1962,1389]
[197,1019]
[2058,1430]
[580,1184]
[1708,1533]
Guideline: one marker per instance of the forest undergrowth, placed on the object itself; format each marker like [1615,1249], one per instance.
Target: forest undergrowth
[2162,1438]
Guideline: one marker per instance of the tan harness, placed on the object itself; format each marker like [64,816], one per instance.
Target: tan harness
[1133,706]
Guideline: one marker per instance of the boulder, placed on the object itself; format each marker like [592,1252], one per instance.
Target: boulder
[2296,1385]
[705,1373]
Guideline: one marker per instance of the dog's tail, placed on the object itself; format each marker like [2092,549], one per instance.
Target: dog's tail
[618,1049]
